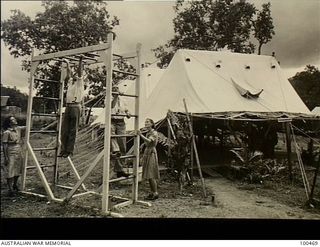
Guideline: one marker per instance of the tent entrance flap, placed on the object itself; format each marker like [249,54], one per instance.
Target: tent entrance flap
[247,93]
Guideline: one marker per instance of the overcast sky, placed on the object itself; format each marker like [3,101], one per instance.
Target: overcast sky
[296,42]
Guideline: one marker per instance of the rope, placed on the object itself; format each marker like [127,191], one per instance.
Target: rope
[306,134]
[303,172]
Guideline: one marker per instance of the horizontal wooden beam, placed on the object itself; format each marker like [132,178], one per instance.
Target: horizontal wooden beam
[72,52]
[127,55]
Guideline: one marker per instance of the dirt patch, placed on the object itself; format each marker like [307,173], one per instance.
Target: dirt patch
[226,199]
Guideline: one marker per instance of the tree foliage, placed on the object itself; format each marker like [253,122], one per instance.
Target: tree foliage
[263,26]
[63,25]
[307,85]
[215,24]
[16,98]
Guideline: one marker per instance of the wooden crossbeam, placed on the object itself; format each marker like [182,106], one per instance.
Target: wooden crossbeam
[41,174]
[87,173]
[72,52]
[124,72]
[127,55]
[124,94]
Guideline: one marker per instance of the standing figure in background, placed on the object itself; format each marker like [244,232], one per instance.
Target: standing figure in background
[150,167]
[70,123]
[118,127]
[13,160]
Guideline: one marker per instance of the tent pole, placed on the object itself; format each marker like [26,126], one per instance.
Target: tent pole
[169,148]
[191,151]
[288,143]
[195,150]
[314,180]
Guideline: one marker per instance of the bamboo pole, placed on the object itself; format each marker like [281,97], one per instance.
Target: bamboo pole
[195,150]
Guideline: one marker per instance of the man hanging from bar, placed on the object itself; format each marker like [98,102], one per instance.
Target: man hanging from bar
[74,99]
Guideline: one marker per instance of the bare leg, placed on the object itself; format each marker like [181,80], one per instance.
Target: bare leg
[153,186]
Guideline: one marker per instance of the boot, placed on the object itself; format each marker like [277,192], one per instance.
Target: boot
[10,189]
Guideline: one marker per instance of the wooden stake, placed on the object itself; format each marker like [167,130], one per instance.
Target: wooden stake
[195,150]
[288,143]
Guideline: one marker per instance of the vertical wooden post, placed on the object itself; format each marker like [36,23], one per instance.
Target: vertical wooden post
[136,127]
[107,131]
[315,179]
[59,122]
[288,144]
[169,149]
[29,120]
[191,151]
[195,150]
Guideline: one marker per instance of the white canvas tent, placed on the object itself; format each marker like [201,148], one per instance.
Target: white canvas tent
[210,82]
[149,79]
[220,82]
[316,111]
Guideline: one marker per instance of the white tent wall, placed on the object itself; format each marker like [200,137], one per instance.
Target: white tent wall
[193,75]
[149,79]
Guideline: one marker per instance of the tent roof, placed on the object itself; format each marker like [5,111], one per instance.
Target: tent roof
[316,111]
[220,83]
[210,82]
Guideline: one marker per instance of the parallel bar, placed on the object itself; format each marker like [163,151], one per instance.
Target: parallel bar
[72,52]
[123,135]
[123,72]
[72,58]
[122,115]
[82,194]
[126,55]
[89,58]
[44,114]
[122,204]
[46,80]
[43,166]
[48,98]
[93,54]
[44,131]
[64,186]
[44,149]
[120,179]
[127,156]
[34,194]
[124,94]
[61,60]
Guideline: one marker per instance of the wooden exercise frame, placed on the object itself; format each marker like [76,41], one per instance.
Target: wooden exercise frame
[102,53]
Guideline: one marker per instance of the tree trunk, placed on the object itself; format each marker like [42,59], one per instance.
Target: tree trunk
[259,49]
